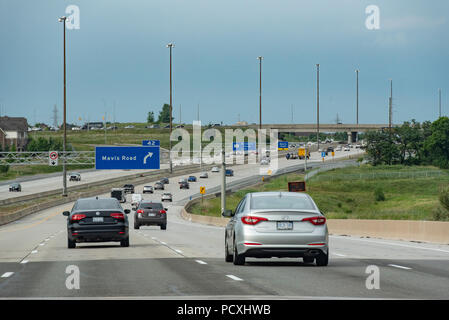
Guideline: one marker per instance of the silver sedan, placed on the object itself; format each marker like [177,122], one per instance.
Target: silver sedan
[276,224]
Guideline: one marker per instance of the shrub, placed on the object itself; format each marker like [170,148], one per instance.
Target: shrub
[4,169]
[439,214]
[379,194]
[444,197]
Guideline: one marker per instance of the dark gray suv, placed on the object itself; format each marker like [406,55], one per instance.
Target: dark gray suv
[150,214]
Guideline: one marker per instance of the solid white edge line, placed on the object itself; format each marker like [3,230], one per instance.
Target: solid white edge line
[339,254]
[400,267]
[7,274]
[234,277]
[24,261]
[201,262]
[34,251]
[388,243]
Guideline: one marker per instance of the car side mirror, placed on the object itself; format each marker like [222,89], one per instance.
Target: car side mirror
[66,213]
[127,211]
[227,214]
[165,209]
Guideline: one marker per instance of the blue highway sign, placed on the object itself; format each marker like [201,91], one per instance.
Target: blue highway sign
[323,154]
[127,158]
[151,143]
[282,145]
[243,146]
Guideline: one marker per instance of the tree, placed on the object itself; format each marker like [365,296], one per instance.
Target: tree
[164,115]
[150,117]
[381,148]
[437,144]
[409,140]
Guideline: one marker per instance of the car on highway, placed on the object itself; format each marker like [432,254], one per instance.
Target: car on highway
[119,194]
[204,175]
[135,200]
[215,169]
[165,180]
[159,186]
[229,173]
[15,187]
[150,214]
[184,185]
[191,179]
[75,176]
[97,220]
[276,224]
[265,162]
[129,188]
[148,189]
[346,149]
[166,196]
[181,180]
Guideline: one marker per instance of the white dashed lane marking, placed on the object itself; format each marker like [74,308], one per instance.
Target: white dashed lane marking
[201,262]
[399,267]
[233,277]
[7,274]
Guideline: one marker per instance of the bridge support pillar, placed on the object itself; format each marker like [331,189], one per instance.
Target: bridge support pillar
[352,137]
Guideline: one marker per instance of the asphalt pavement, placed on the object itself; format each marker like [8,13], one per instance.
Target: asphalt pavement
[187,261]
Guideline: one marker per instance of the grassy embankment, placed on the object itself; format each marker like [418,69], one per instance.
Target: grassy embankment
[341,196]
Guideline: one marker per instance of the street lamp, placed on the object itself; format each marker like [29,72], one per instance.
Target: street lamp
[318,105]
[64,169]
[170,46]
[357,105]
[260,91]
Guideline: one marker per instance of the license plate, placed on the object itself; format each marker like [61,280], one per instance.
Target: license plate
[285,225]
[97,219]
[151,214]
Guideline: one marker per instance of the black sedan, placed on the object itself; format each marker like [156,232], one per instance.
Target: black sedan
[184,185]
[15,187]
[97,220]
[164,180]
[129,188]
[150,214]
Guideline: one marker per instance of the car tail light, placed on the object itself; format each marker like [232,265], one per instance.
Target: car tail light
[317,221]
[252,244]
[140,211]
[252,220]
[78,217]
[118,216]
[162,212]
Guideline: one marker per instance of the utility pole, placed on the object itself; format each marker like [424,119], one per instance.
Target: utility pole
[223,181]
[357,107]
[170,46]
[390,108]
[55,117]
[64,169]
[318,105]
[260,91]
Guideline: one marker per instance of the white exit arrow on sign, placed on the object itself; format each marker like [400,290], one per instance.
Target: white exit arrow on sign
[146,157]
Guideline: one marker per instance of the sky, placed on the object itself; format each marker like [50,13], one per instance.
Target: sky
[118,57]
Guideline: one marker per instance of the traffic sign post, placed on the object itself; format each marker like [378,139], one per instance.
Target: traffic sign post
[53,158]
[323,155]
[202,191]
[127,158]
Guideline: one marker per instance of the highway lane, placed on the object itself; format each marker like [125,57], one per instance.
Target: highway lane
[187,260]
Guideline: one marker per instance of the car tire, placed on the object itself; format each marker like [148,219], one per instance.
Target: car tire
[322,259]
[238,259]
[308,259]
[228,257]
[71,244]
[125,242]
[136,226]
[164,226]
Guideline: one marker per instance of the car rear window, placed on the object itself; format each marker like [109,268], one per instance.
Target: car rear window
[282,202]
[148,205]
[94,204]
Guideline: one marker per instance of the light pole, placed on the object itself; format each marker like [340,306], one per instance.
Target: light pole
[357,104]
[439,102]
[170,46]
[318,105]
[260,91]
[64,169]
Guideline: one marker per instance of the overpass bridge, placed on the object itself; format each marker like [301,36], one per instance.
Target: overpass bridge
[351,129]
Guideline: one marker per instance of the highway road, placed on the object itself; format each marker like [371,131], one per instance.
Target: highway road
[187,261]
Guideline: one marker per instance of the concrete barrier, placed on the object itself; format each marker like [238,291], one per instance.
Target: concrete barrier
[425,231]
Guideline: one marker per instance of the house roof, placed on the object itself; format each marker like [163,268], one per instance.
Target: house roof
[13,123]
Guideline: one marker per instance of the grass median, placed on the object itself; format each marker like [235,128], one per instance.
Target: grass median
[365,192]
